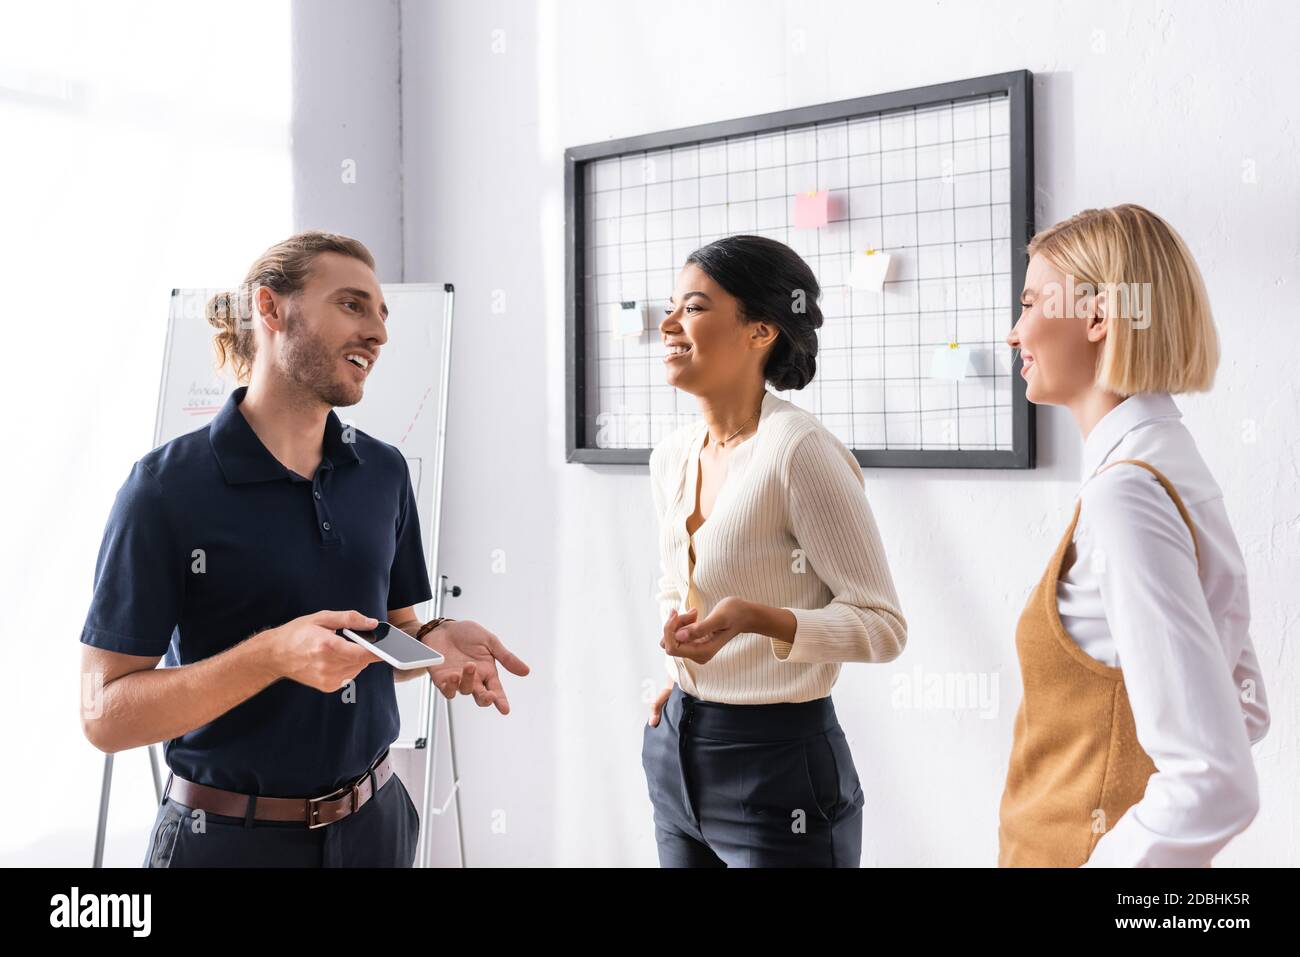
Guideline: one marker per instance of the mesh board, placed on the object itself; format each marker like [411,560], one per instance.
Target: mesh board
[928,185]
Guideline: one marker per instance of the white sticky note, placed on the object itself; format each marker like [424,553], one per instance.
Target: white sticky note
[869,270]
[629,319]
[950,362]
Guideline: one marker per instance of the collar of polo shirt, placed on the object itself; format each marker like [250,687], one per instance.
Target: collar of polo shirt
[243,458]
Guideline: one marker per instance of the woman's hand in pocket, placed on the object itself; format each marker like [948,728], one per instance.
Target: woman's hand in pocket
[657,708]
[674,622]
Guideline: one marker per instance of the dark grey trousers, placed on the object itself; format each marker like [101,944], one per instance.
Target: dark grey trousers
[769,785]
[382,833]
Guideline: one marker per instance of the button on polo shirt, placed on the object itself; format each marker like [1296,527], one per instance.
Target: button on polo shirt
[211,539]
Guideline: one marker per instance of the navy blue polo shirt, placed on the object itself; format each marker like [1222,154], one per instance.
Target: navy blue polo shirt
[211,539]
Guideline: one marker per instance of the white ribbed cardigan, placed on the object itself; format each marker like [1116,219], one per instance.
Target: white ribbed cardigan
[790,528]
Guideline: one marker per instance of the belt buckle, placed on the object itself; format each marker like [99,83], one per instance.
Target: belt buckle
[312,807]
[354,789]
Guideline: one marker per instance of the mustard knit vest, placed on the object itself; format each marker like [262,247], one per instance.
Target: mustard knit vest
[1076,764]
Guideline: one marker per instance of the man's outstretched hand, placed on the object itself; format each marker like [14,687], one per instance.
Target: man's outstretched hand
[471,654]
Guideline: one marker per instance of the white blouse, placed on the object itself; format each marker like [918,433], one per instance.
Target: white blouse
[790,528]
[1134,597]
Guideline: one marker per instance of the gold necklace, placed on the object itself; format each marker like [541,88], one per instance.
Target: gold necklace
[723,443]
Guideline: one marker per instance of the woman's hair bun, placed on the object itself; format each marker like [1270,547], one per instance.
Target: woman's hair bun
[771,283]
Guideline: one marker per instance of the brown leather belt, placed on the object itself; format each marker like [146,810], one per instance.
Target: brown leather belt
[313,812]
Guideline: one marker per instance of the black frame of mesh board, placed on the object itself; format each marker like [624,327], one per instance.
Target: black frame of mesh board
[1017,86]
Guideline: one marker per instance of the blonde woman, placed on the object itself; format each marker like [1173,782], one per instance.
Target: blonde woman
[1142,693]
[774,575]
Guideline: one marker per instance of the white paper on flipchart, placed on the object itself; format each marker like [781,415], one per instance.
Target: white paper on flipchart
[400,406]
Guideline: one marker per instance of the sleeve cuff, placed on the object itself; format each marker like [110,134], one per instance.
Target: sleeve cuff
[811,638]
[111,641]
[410,600]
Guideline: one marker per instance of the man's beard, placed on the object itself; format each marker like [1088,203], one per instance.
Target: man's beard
[312,366]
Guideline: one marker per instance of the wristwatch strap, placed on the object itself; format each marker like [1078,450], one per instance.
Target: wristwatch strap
[428,626]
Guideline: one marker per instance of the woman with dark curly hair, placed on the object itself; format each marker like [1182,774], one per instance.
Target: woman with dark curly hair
[773,574]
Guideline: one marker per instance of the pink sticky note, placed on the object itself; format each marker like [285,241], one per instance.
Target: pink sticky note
[812,209]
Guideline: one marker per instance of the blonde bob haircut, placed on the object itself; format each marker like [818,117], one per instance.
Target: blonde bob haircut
[1160,335]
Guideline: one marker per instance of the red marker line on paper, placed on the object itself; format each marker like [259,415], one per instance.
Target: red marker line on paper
[418,409]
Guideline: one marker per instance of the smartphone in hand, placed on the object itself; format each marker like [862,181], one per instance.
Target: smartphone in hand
[393,645]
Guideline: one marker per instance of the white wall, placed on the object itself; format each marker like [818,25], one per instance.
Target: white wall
[150,145]
[1154,103]
[146,146]
[346,129]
